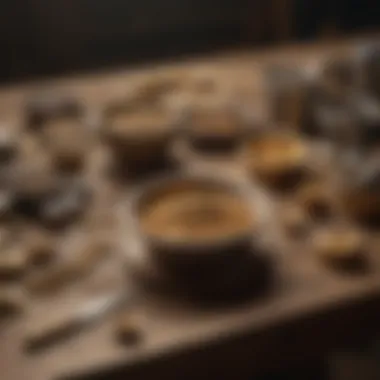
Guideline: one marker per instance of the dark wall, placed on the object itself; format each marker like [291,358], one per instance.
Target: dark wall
[50,36]
[47,37]
[347,15]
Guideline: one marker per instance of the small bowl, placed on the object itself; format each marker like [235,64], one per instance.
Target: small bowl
[341,247]
[186,224]
[139,138]
[210,129]
[279,160]
[287,88]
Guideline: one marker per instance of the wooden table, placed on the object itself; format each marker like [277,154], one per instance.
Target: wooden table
[309,312]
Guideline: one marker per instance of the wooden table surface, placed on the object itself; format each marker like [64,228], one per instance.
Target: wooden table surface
[310,311]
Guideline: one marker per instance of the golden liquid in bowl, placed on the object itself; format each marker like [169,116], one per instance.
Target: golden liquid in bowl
[195,214]
[276,152]
[342,247]
[339,243]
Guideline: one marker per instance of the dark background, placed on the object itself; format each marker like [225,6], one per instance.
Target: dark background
[50,37]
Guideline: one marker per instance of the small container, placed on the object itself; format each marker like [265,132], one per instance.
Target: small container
[341,247]
[214,129]
[139,138]
[288,90]
[279,160]
[198,230]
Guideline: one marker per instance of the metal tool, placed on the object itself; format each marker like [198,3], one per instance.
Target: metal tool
[67,325]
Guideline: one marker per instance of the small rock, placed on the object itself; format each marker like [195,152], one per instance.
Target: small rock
[219,129]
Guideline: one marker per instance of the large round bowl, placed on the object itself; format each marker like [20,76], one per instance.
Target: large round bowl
[200,231]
